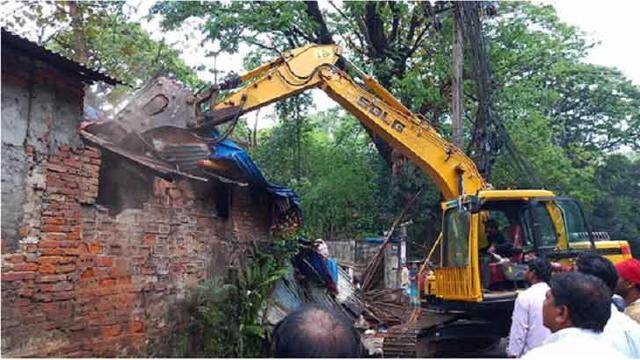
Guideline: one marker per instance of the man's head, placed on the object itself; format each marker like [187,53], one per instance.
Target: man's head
[629,281]
[576,300]
[539,270]
[491,227]
[598,266]
[313,331]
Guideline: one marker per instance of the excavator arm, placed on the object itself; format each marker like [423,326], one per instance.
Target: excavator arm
[318,66]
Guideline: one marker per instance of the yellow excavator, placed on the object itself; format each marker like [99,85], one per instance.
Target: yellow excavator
[458,303]
[463,296]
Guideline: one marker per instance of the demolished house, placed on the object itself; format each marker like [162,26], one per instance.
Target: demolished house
[106,227]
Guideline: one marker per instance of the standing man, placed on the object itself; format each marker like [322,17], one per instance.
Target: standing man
[621,331]
[527,329]
[629,287]
[576,309]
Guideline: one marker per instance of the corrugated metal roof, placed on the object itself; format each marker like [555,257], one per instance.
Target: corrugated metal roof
[11,40]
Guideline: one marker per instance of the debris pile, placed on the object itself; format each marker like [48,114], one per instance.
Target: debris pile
[386,306]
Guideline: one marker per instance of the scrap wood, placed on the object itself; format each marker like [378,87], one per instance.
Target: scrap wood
[376,260]
[387,306]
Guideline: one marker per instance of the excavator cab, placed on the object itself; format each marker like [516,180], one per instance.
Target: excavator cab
[478,265]
[487,240]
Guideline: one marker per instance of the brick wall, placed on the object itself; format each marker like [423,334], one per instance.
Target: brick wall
[84,282]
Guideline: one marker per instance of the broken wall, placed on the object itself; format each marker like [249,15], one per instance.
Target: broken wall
[79,279]
[38,103]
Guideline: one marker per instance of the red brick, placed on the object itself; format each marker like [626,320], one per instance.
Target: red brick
[52,251]
[51,244]
[137,326]
[150,239]
[63,269]
[53,228]
[25,267]
[56,168]
[50,259]
[94,247]
[111,331]
[87,274]
[74,235]
[54,221]
[72,163]
[15,259]
[24,231]
[47,268]
[107,282]
[18,275]
[105,261]
[53,236]
[71,251]
[50,278]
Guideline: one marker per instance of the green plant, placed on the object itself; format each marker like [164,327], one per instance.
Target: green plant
[225,312]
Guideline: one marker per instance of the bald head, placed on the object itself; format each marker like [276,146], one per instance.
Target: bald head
[313,331]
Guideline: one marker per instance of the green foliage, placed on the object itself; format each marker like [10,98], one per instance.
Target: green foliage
[617,205]
[100,35]
[563,115]
[225,313]
[336,183]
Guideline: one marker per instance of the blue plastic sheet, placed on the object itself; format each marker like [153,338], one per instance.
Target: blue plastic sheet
[228,150]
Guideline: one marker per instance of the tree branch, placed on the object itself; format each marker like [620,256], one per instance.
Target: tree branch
[375,28]
[324,36]
[395,22]
[351,23]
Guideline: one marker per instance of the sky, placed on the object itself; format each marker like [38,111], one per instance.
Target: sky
[614,23]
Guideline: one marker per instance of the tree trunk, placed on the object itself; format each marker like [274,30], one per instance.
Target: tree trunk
[79,38]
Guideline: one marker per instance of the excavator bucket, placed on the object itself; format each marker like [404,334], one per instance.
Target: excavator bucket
[160,128]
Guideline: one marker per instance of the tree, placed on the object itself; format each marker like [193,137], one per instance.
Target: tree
[618,203]
[336,182]
[98,34]
[564,115]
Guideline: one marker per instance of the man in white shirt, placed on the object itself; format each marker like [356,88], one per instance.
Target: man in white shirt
[527,331]
[621,331]
[576,309]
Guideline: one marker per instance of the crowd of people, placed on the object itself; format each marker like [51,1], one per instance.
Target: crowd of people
[576,312]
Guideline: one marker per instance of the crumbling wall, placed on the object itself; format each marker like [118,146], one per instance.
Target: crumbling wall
[80,278]
[84,282]
[40,109]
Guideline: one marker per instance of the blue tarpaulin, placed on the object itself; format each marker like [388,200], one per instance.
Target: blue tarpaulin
[229,150]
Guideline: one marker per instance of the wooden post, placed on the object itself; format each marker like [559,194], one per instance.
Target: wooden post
[456,79]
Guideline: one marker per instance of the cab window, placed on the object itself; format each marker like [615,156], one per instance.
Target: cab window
[543,226]
[576,226]
[456,238]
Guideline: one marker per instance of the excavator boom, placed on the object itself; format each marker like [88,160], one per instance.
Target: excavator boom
[316,66]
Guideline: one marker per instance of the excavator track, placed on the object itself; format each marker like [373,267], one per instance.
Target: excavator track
[401,341]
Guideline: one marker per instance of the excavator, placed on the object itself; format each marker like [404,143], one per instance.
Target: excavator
[458,303]
[463,296]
